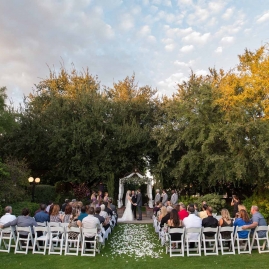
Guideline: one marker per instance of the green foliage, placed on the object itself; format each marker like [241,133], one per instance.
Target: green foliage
[44,193]
[214,200]
[260,199]
[17,207]
[111,185]
[186,200]
[13,180]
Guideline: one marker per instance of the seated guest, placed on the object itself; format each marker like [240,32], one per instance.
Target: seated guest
[192,221]
[22,221]
[203,214]
[97,215]
[67,214]
[196,209]
[166,217]
[104,214]
[242,220]
[83,213]
[157,208]
[163,212]
[257,220]
[7,217]
[174,222]
[55,216]
[90,222]
[239,206]
[49,206]
[42,215]
[112,206]
[182,213]
[225,221]
[108,210]
[210,221]
[66,202]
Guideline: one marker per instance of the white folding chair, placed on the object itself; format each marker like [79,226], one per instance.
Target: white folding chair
[179,244]
[42,224]
[226,237]
[23,244]
[53,224]
[195,233]
[7,235]
[242,244]
[257,239]
[63,224]
[208,241]
[56,237]
[92,243]
[44,237]
[72,236]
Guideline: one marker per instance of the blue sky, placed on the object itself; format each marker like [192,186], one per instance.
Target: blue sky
[160,41]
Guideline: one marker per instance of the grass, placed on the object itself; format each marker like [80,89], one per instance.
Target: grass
[108,259]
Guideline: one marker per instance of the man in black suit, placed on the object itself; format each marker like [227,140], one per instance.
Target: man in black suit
[134,203]
[139,204]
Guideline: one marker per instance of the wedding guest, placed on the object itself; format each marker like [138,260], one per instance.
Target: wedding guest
[104,214]
[83,213]
[7,217]
[196,209]
[182,213]
[166,217]
[174,198]
[55,215]
[240,206]
[49,205]
[112,206]
[163,212]
[73,222]
[66,202]
[225,221]
[257,220]
[90,222]
[108,210]
[99,198]
[97,215]
[42,215]
[157,208]
[174,222]
[209,221]
[203,214]
[234,203]
[67,214]
[164,198]
[192,221]
[157,197]
[242,220]
[22,221]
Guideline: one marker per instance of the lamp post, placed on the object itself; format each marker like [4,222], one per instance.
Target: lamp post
[33,182]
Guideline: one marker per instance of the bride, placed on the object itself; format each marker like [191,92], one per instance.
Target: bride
[128,214]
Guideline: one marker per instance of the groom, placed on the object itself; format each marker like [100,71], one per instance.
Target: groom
[134,203]
[139,204]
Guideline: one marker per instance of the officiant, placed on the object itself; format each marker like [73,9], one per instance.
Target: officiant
[134,202]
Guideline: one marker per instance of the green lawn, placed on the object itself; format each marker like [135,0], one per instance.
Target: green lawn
[112,259]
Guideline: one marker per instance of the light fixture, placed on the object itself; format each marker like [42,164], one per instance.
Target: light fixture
[31,179]
[37,180]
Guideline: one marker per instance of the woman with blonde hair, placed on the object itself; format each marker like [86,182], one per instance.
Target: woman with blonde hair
[163,212]
[225,221]
[55,216]
[242,220]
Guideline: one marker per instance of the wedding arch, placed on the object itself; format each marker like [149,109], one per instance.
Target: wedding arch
[135,178]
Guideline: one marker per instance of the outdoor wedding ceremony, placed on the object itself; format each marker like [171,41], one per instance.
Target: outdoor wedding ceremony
[134,134]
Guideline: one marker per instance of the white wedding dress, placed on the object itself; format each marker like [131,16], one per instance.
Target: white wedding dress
[128,214]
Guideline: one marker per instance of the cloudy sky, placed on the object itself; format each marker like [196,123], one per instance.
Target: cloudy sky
[158,40]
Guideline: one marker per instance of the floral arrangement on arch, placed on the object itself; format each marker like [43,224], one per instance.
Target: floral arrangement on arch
[136,180]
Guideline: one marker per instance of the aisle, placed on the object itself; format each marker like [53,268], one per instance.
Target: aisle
[136,241]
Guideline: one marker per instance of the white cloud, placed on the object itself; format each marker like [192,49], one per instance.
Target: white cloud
[153,9]
[145,30]
[227,39]
[127,22]
[183,64]
[218,50]
[167,3]
[263,18]
[215,6]
[197,37]
[170,83]
[201,72]
[187,48]
[200,15]
[167,40]
[184,2]
[152,39]
[228,13]
[172,32]
[170,47]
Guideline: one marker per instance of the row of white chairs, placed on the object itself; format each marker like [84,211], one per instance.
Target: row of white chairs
[211,245]
[54,237]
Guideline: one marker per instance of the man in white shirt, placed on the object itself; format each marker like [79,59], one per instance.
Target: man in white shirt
[192,221]
[7,217]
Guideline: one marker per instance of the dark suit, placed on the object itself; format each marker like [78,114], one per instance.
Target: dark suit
[134,206]
[139,204]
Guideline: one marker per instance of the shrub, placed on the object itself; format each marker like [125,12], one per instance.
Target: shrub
[17,207]
[214,200]
[44,193]
[186,200]
[261,199]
